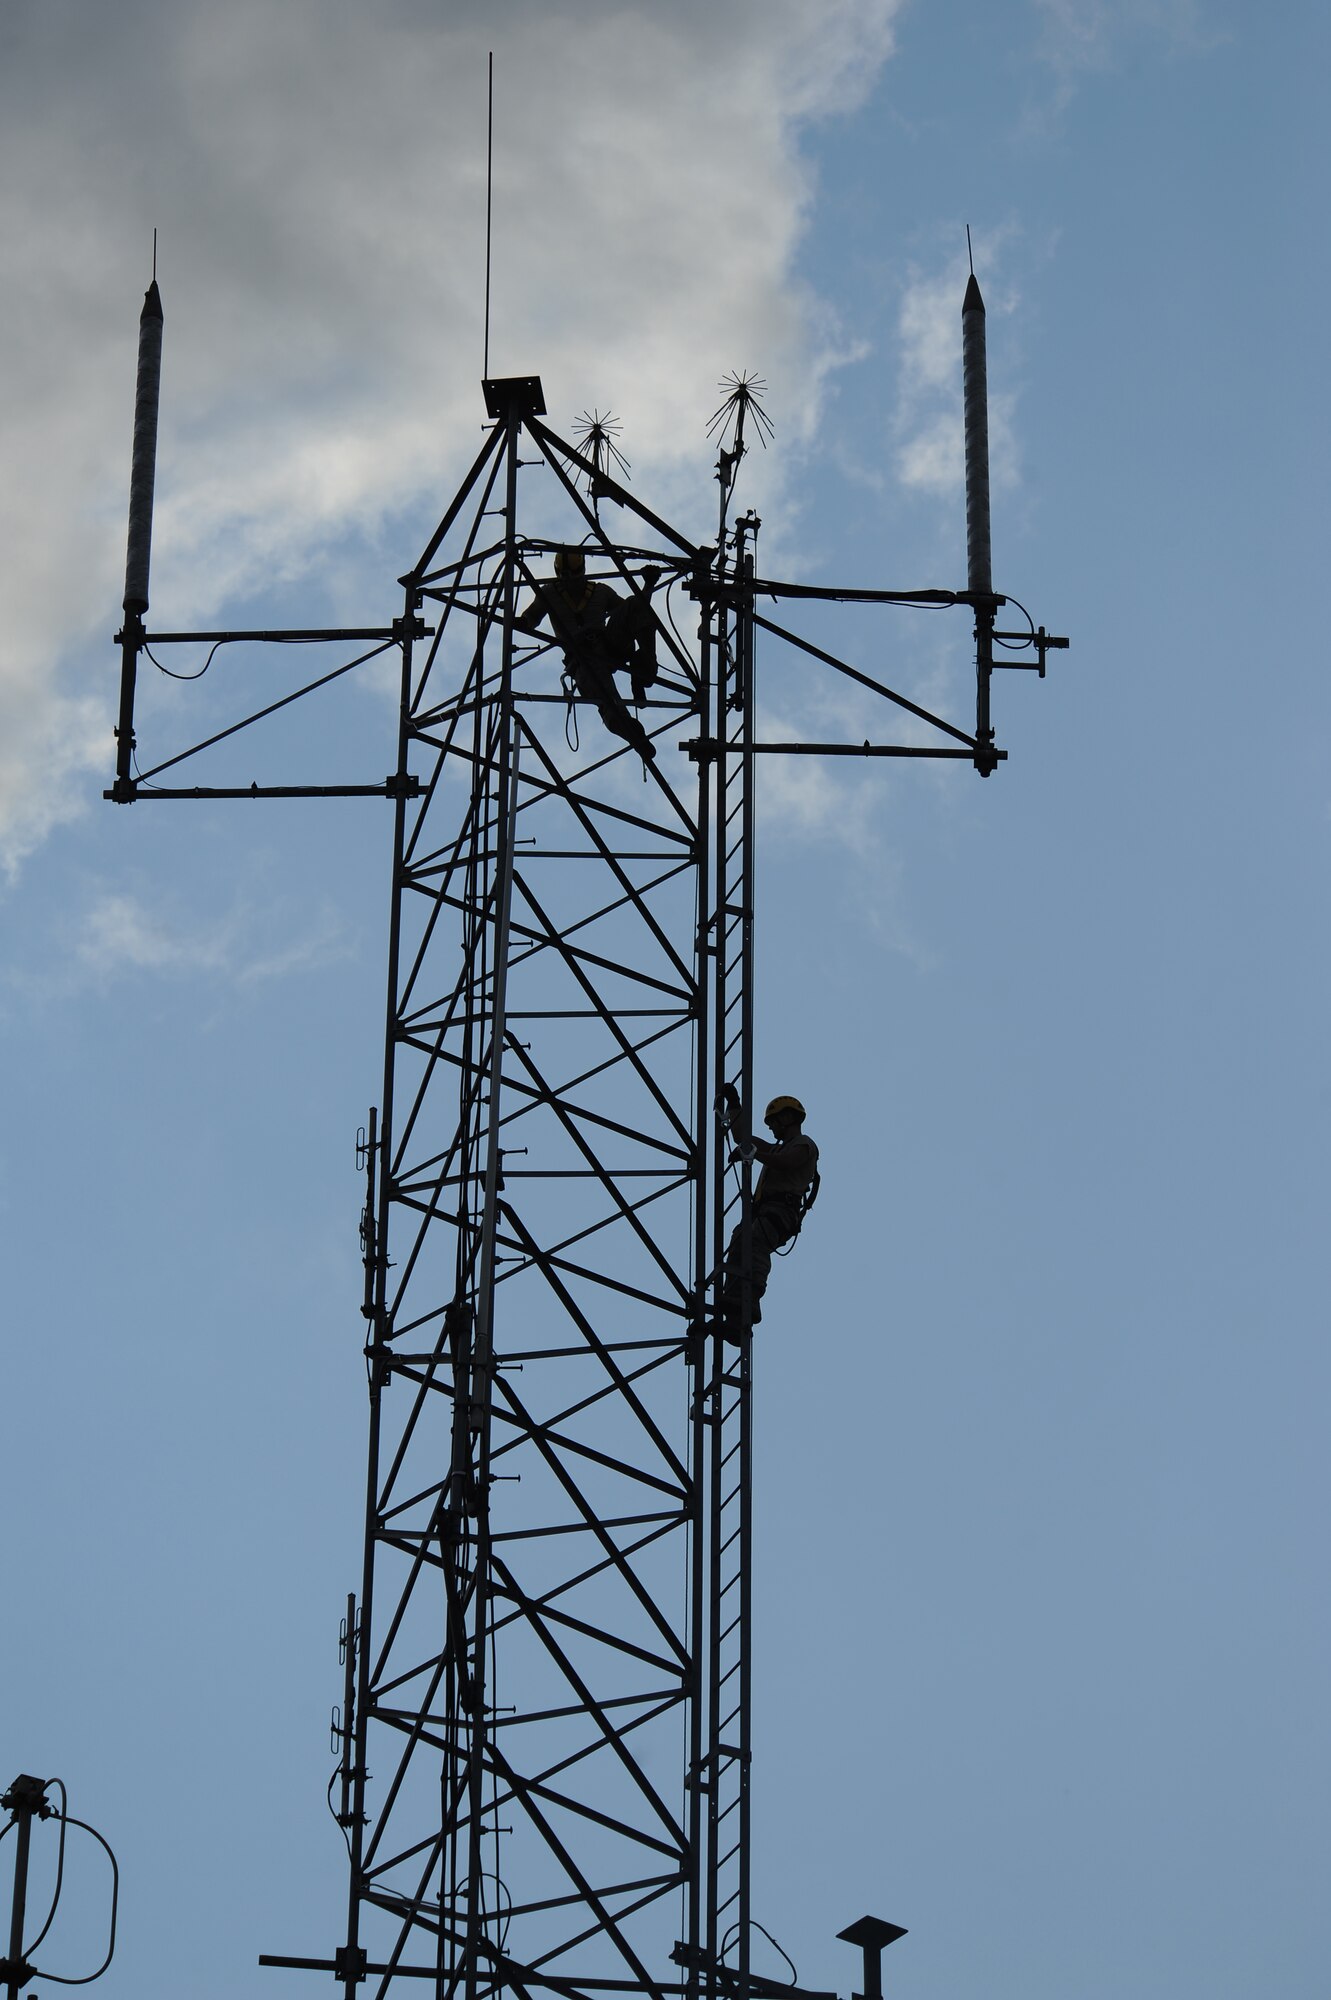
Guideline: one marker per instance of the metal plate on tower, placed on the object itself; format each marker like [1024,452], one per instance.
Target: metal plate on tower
[502,392]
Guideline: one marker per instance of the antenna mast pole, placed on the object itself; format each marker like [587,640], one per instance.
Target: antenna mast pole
[138,552]
[979,569]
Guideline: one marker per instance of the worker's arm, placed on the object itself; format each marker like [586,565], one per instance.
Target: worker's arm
[747,1144]
[532,618]
[737,1122]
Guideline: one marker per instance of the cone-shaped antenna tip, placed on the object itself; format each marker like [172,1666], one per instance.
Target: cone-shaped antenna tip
[152,303]
[972,302]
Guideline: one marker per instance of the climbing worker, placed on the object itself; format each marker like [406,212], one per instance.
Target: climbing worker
[786,1191]
[597,632]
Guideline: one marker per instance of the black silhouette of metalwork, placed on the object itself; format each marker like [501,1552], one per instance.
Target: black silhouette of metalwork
[544,1742]
[26,1802]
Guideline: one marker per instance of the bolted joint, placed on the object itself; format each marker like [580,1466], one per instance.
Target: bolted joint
[701,585]
[27,1795]
[350,1964]
[402,785]
[408,628]
[702,749]
[1044,643]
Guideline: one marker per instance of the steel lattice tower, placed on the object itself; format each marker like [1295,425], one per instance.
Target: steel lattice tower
[545,1745]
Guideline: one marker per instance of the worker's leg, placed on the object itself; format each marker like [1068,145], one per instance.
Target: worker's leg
[630,634]
[617,719]
[771,1227]
[593,678]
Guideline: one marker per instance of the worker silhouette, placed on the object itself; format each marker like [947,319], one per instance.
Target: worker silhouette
[786,1190]
[600,634]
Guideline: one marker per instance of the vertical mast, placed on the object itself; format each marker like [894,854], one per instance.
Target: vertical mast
[975,393]
[730,1386]
[138,552]
[979,568]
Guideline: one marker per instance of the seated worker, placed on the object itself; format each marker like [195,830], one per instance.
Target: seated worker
[630,631]
[785,1192]
[600,633]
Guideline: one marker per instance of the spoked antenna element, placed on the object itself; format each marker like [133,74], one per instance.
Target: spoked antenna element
[743,396]
[743,393]
[595,434]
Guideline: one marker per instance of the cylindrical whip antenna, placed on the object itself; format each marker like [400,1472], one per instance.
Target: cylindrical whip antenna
[975,396]
[143,464]
[979,565]
[138,552]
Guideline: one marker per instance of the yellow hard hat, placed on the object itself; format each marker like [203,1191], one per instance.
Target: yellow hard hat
[780,1104]
[570,560]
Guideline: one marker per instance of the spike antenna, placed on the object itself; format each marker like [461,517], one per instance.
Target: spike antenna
[743,395]
[595,435]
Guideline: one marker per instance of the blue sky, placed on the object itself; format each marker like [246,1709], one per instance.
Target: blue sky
[1041,1592]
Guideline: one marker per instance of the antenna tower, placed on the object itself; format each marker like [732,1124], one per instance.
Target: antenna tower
[547,1663]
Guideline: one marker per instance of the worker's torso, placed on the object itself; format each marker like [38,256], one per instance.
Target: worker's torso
[788,1175]
[576,620]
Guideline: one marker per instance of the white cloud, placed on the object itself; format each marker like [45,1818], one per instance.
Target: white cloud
[119,933]
[1079,38]
[113,933]
[316,173]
